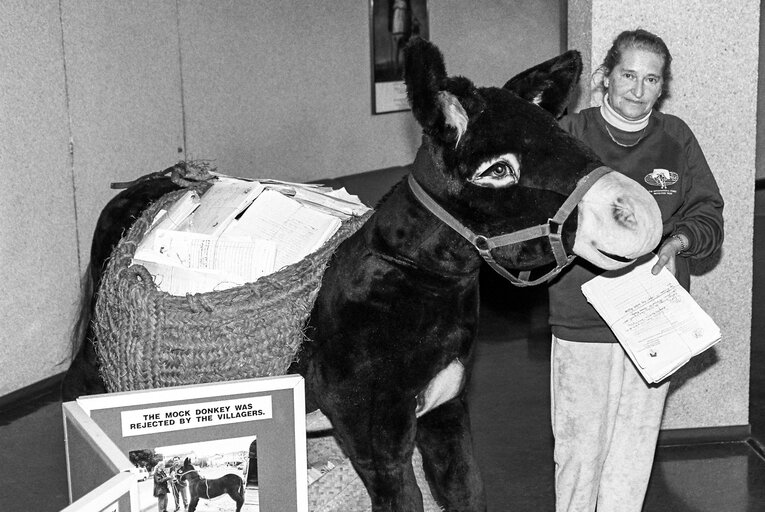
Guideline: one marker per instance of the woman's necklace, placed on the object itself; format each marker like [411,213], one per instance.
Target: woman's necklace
[642,132]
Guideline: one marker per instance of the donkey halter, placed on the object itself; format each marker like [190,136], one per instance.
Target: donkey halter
[207,489]
[552,229]
[184,473]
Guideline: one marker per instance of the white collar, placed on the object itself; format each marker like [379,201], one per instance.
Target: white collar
[617,120]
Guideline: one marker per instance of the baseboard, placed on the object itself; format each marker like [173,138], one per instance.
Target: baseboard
[705,435]
[40,389]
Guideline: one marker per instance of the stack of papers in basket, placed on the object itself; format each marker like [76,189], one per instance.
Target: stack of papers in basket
[238,231]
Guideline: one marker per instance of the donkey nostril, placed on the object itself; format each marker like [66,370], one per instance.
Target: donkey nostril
[623,215]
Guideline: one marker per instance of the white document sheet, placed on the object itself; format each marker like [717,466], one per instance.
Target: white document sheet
[296,229]
[337,202]
[177,280]
[656,320]
[242,257]
[172,218]
[221,203]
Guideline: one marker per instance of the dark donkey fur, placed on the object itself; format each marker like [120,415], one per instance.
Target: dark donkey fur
[399,301]
[209,488]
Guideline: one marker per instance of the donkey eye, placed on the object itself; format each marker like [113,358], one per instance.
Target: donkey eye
[498,172]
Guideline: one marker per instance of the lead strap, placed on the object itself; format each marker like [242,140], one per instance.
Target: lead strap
[553,229]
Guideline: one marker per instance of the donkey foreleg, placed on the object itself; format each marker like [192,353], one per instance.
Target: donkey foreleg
[443,438]
[379,441]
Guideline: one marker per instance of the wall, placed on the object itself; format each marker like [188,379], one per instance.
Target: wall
[760,158]
[715,66]
[96,92]
[39,265]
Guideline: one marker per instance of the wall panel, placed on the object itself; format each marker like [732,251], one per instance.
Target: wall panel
[715,50]
[125,96]
[38,254]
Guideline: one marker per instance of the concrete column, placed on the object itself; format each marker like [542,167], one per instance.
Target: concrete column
[714,46]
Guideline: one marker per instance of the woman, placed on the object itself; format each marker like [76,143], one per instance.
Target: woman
[605,417]
[160,486]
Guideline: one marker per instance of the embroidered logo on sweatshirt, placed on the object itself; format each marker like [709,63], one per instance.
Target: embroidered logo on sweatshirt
[661,178]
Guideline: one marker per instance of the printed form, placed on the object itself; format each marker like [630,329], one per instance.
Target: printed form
[658,323]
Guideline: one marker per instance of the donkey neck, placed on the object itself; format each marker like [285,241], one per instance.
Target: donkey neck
[406,232]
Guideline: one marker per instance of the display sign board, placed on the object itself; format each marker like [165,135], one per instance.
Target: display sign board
[250,432]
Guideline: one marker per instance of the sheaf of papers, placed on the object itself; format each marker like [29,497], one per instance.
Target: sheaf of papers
[337,202]
[172,218]
[230,255]
[295,229]
[238,231]
[177,280]
[657,322]
[222,202]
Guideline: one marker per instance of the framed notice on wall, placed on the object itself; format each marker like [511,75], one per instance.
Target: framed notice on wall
[237,443]
[392,23]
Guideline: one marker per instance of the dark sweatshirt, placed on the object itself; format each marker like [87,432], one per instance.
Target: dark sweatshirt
[669,163]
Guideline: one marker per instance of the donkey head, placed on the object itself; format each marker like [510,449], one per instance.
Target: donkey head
[496,160]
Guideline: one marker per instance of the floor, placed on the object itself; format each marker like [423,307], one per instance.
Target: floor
[510,417]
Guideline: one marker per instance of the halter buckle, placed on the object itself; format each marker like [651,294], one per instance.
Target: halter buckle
[555,227]
[481,243]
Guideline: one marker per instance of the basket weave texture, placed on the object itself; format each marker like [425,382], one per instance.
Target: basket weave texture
[146,338]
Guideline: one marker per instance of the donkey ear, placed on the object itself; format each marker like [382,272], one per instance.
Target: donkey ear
[549,84]
[440,104]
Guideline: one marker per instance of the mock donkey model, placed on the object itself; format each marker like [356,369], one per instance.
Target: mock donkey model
[399,301]
[397,310]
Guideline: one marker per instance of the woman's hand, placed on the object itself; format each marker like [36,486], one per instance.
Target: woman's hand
[669,250]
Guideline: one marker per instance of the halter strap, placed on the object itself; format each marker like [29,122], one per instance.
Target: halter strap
[553,229]
[184,473]
[207,488]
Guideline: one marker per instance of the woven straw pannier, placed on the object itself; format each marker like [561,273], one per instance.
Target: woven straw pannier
[146,338]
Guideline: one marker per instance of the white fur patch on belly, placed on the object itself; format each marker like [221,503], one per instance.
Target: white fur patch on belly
[443,387]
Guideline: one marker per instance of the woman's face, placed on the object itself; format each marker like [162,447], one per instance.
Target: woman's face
[635,83]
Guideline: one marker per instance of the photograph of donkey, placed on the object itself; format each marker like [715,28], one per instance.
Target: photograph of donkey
[393,325]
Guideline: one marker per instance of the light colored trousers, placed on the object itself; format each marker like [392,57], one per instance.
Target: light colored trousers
[606,421]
